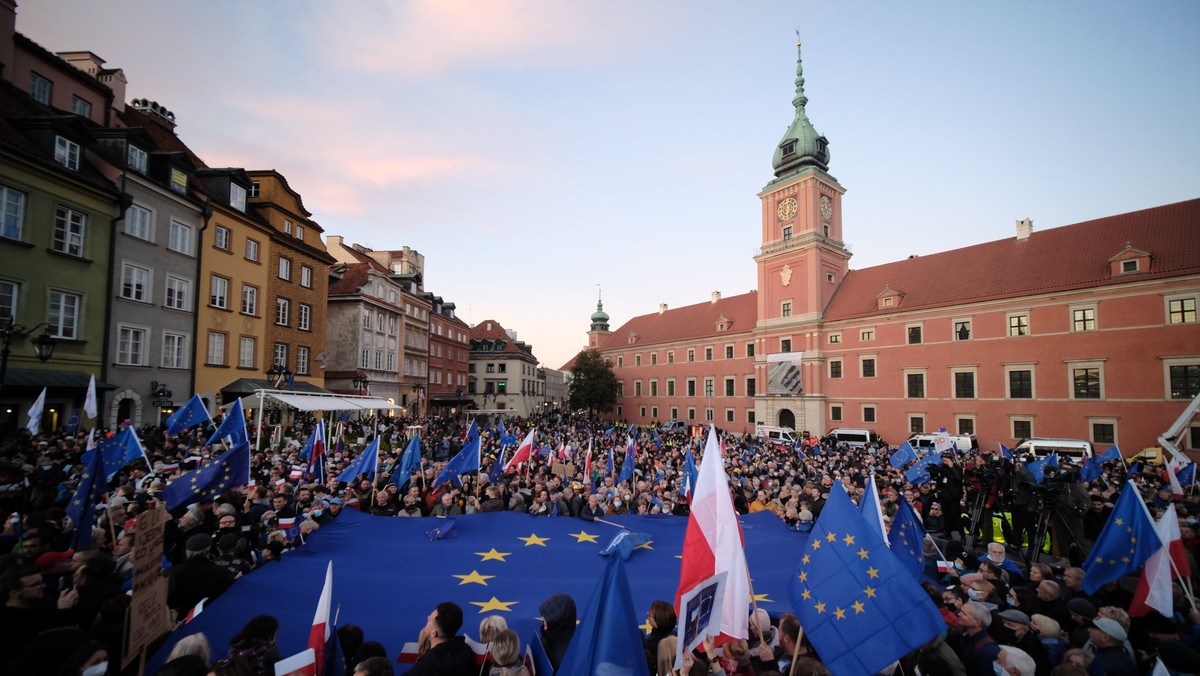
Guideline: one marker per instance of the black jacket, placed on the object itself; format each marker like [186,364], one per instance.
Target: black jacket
[452,658]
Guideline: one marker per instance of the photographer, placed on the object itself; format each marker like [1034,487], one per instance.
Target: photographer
[948,482]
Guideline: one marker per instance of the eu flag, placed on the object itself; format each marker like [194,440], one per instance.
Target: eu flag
[366,463]
[118,450]
[1038,467]
[907,539]
[1090,470]
[860,607]
[691,474]
[1127,540]
[82,508]
[409,462]
[233,427]
[919,473]
[1006,452]
[496,474]
[627,466]
[212,478]
[1110,455]
[624,542]
[903,455]
[466,460]
[190,414]
[608,640]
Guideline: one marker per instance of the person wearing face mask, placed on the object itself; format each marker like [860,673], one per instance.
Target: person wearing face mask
[1018,633]
[89,659]
[982,592]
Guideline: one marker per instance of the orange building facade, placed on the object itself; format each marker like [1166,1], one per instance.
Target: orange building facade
[1085,331]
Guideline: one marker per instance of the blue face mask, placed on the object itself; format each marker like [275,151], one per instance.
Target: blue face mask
[998,670]
[317,512]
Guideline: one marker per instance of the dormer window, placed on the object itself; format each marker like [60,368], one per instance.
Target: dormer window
[287,227]
[237,197]
[137,159]
[789,148]
[39,88]
[299,233]
[1129,266]
[254,187]
[1129,261]
[66,153]
[179,181]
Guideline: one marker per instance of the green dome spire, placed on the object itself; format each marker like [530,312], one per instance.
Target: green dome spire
[599,317]
[801,146]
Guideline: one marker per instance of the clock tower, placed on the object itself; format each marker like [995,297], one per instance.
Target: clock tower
[800,265]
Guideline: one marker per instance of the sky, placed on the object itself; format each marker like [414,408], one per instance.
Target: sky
[538,152]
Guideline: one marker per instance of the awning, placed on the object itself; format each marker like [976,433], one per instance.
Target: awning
[62,381]
[318,402]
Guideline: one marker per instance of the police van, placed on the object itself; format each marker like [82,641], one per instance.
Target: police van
[854,438]
[778,435]
[1074,449]
[924,443]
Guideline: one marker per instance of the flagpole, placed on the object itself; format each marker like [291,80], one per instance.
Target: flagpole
[1184,581]
[258,425]
[754,605]
[796,649]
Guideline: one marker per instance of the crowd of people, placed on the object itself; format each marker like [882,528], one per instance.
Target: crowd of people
[65,610]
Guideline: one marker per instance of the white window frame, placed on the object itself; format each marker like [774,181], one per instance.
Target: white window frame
[177,293]
[222,238]
[139,222]
[13,224]
[215,351]
[1180,298]
[249,300]
[306,276]
[866,334]
[70,231]
[300,233]
[954,371]
[181,239]
[135,283]
[283,311]
[835,338]
[252,249]
[174,350]
[1014,332]
[66,152]
[1084,307]
[81,106]
[923,372]
[1012,425]
[304,317]
[958,421]
[247,351]
[237,197]
[280,354]
[955,324]
[137,159]
[132,341]
[218,292]
[10,296]
[914,325]
[285,269]
[41,88]
[302,360]
[64,321]
[785,308]
[1072,365]
[1167,363]
[1027,366]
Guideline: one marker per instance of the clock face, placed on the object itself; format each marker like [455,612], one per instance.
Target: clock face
[787,209]
[826,207]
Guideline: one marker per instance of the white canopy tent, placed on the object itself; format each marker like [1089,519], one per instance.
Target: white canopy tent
[305,401]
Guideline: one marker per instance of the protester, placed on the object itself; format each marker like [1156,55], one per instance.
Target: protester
[448,653]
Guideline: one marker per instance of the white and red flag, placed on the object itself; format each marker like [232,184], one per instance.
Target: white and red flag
[1154,586]
[318,636]
[523,451]
[712,549]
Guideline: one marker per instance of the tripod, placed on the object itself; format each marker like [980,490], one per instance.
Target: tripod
[976,515]
[1038,541]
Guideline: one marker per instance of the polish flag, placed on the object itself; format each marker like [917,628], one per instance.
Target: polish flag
[319,634]
[587,464]
[1154,586]
[195,611]
[713,545]
[1174,466]
[523,451]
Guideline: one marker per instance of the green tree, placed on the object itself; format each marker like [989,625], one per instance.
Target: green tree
[594,386]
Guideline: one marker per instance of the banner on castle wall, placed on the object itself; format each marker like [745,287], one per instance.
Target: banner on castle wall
[783,374]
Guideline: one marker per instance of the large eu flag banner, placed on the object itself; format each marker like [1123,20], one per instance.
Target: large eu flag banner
[858,605]
[500,563]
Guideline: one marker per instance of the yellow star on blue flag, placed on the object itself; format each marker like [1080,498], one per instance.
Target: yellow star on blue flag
[857,603]
[1128,539]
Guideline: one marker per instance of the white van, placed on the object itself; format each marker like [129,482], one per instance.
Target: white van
[924,443]
[673,426]
[778,435]
[1075,449]
[854,438]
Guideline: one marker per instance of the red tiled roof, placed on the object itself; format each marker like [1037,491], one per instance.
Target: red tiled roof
[1059,259]
[352,280]
[481,331]
[687,323]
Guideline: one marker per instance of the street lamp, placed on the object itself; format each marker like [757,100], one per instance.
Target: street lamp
[361,383]
[43,345]
[279,372]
